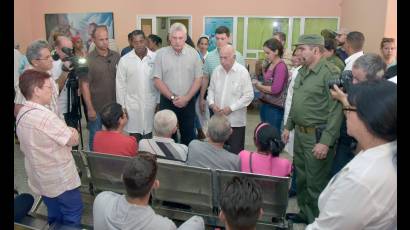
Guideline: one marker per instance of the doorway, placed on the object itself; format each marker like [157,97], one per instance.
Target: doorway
[159,25]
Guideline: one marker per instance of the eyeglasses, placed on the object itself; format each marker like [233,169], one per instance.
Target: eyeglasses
[44,59]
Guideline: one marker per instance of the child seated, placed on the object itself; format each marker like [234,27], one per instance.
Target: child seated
[266,159]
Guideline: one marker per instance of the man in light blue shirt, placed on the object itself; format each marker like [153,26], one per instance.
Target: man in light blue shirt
[222,36]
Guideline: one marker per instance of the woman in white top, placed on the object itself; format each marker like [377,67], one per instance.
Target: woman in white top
[363,195]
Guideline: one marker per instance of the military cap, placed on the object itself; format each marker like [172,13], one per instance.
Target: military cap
[310,39]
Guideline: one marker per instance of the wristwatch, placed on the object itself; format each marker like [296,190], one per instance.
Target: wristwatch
[173,97]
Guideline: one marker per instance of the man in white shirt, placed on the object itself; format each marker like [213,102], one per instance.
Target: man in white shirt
[135,89]
[354,48]
[229,93]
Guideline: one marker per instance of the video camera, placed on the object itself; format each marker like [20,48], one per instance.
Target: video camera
[345,81]
[79,64]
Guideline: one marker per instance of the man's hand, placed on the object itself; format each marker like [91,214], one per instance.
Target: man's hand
[216,109]
[339,95]
[202,103]
[320,151]
[92,115]
[180,101]
[285,136]
[67,65]
[226,111]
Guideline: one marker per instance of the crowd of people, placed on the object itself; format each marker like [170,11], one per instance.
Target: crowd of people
[187,105]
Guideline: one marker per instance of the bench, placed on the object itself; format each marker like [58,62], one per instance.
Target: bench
[186,191]
[105,171]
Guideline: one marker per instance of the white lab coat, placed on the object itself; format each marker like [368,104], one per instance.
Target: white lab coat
[136,92]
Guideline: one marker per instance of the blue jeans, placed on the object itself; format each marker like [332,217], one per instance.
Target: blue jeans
[66,208]
[93,127]
[272,115]
[22,205]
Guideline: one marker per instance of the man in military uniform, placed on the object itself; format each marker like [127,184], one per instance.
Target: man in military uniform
[330,54]
[316,118]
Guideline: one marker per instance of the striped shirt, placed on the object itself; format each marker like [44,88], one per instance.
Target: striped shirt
[48,160]
[165,148]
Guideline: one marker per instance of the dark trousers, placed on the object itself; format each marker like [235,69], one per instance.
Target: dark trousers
[66,208]
[186,118]
[344,150]
[139,136]
[22,205]
[236,141]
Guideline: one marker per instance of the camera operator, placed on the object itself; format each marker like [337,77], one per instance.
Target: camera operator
[366,68]
[62,72]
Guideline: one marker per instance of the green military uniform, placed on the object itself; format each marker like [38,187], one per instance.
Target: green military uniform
[337,62]
[313,106]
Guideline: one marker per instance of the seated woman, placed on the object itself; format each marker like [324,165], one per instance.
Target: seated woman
[112,140]
[266,160]
[363,195]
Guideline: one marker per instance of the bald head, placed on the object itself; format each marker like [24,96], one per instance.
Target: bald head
[227,57]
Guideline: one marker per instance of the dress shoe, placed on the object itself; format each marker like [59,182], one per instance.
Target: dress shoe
[296,218]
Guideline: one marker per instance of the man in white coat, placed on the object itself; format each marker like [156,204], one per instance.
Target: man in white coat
[135,88]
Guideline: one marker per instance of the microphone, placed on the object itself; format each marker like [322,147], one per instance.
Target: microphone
[108,61]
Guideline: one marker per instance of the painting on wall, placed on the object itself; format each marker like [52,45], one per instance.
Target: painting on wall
[78,24]
[211,23]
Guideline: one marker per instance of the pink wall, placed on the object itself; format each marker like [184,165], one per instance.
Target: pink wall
[374,18]
[29,14]
[391,19]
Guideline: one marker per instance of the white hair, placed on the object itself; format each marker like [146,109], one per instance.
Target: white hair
[177,27]
[164,122]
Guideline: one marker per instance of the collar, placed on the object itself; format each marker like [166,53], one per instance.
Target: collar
[36,105]
[150,54]
[94,53]
[234,68]
[354,56]
[163,139]
[183,51]
[305,69]
[372,154]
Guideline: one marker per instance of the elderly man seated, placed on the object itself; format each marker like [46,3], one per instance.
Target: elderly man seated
[211,154]
[162,144]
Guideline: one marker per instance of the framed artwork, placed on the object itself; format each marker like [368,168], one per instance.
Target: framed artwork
[78,24]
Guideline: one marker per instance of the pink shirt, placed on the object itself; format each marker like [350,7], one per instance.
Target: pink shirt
[265,164]
[48,161]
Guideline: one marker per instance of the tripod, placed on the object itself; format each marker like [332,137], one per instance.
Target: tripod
[73,117]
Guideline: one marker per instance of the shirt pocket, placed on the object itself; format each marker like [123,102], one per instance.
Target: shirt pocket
[236,89]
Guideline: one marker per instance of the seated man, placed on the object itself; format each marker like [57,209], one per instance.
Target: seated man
[131,211]
[241,204]
[112,140]
[211,154]
[162,144]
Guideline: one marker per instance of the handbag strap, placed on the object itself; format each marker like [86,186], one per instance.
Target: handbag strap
[18,121]
[250,162]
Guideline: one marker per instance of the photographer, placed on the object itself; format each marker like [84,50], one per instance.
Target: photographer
[61,72]
[366,68]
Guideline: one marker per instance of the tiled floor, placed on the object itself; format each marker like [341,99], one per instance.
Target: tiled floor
[20,177]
